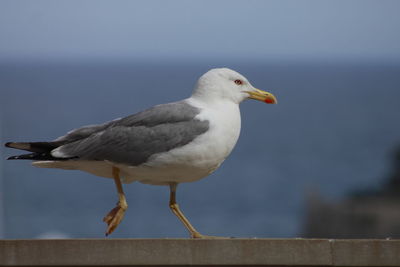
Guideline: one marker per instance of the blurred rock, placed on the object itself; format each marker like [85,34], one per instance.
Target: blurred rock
[370,213]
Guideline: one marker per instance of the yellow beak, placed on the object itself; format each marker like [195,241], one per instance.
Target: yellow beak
[263,96]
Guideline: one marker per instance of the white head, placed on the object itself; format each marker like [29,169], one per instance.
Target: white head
[227,84]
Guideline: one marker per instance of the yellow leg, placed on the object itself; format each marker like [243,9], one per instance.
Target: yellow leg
[115,216]
[175,209]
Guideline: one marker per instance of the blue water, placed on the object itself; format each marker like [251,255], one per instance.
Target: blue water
[332,132]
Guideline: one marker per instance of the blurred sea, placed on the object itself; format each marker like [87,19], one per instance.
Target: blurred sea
[332,132]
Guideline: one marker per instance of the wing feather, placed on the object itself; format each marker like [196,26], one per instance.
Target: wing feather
[133,139]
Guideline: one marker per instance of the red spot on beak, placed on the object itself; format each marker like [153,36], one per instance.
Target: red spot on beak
[269,101]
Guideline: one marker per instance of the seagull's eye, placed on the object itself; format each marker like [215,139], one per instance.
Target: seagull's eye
[238,82]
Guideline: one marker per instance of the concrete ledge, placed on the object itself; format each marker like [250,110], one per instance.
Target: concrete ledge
[267,252]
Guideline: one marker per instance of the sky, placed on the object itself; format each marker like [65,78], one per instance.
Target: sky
[190,30]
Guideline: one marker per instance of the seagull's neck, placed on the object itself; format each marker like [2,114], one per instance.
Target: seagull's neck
[214,103]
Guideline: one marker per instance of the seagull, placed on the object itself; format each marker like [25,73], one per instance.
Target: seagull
[167,144]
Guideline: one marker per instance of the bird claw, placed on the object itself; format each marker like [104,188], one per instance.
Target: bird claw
[114,217]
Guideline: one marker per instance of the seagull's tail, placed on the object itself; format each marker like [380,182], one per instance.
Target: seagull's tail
[41,150]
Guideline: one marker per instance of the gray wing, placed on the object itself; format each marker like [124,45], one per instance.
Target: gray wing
[133,139]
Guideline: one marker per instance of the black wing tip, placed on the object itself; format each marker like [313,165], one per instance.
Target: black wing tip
[31,156]
[38,156]
[19,145]
[8,144]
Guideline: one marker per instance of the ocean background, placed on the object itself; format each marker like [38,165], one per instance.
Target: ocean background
[333,132]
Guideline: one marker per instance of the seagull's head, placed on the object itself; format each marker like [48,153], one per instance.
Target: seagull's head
[227,84]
